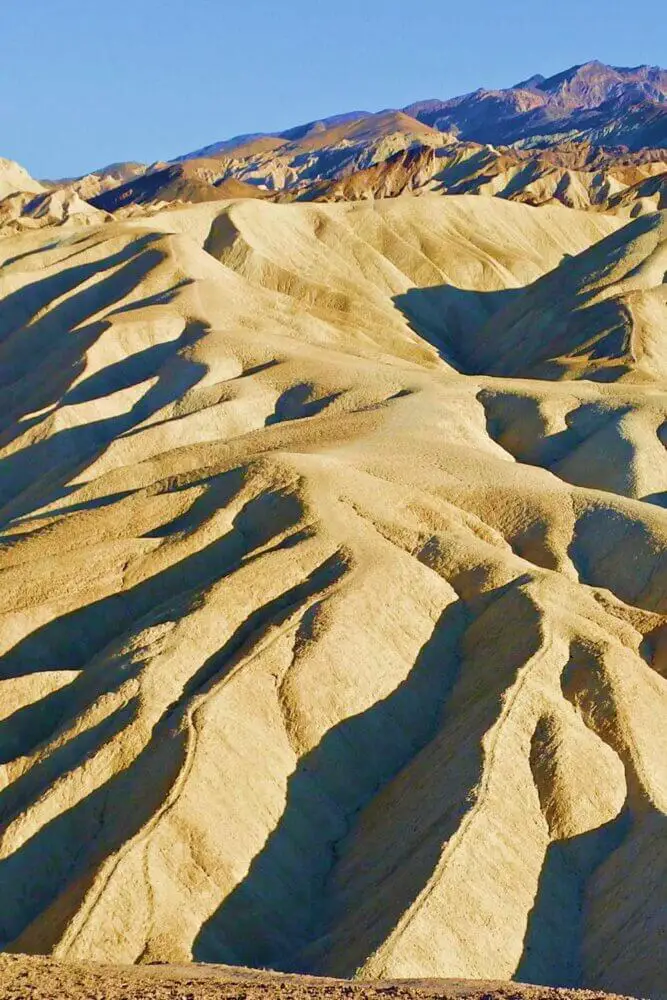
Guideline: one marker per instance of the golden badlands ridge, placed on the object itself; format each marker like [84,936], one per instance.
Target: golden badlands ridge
[334,586]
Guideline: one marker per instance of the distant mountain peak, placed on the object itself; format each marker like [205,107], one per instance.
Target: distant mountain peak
[590,102]
[531,83]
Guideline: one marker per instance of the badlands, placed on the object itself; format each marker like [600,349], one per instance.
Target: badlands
[334,592]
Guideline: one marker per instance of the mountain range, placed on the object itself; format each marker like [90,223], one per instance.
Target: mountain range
[592,137]
[592,103]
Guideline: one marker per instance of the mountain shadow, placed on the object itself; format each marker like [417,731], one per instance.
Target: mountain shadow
[448,318]
[278,908]
[556,925]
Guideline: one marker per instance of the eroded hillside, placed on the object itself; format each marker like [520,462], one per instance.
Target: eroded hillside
[334,590]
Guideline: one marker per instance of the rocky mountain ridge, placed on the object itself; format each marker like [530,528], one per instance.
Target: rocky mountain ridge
[592,137]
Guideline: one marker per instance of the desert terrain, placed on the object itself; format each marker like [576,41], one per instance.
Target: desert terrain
[42,979]
[333,590]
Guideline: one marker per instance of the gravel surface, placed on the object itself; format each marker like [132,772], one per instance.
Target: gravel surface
[43,979]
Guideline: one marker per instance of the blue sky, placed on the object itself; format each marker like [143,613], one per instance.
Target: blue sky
[86,83]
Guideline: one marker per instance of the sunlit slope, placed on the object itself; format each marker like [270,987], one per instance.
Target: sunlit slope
[316,652]
[15,178]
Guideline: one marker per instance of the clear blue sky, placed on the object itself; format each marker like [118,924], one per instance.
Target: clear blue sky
[88,82]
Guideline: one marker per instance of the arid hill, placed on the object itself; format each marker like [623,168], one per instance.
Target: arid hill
[191,181]
[15,179]
[334,590]
[574,175]
[91,185]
